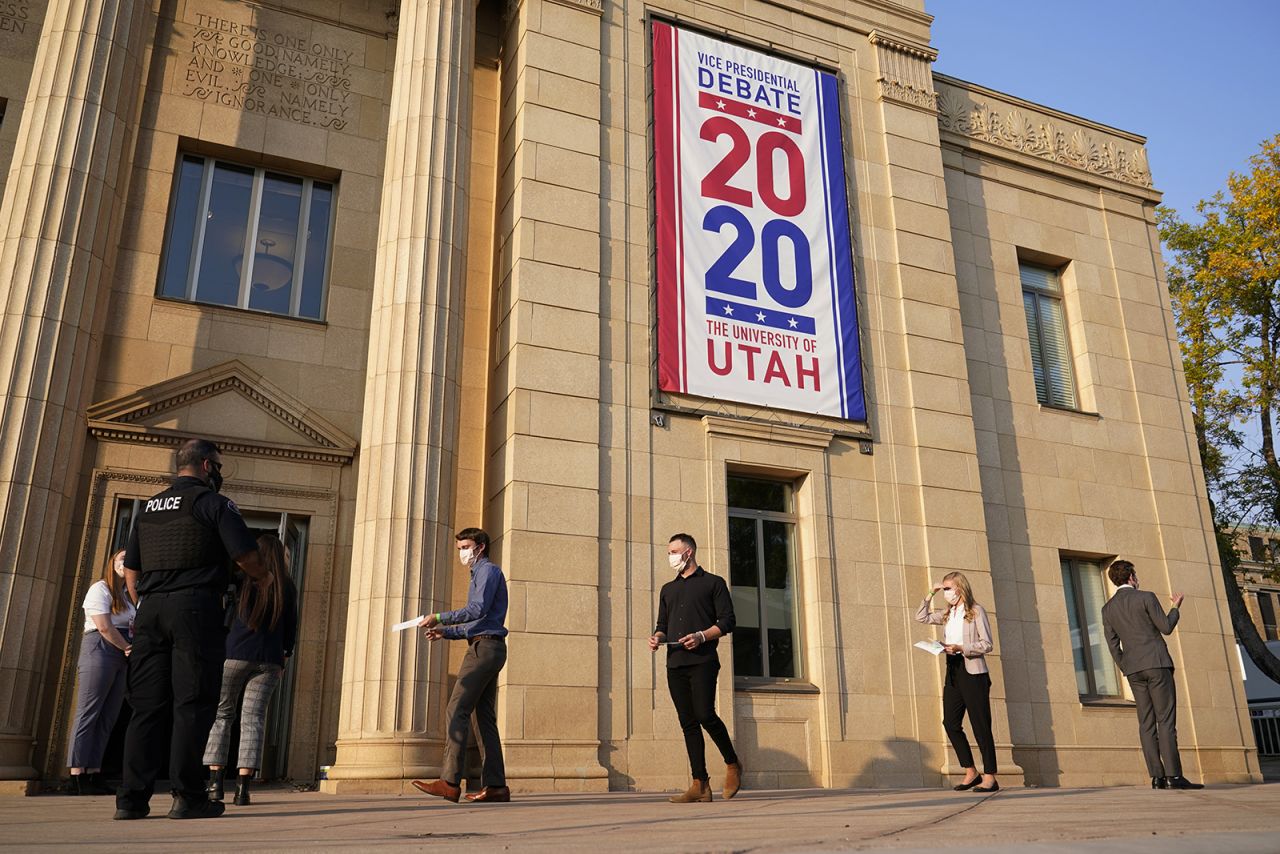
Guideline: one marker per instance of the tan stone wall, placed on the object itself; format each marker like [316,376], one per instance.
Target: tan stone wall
[1118,479]
[20,24]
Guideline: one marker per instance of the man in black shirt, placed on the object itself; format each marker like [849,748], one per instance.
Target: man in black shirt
[695,607]
[177,561]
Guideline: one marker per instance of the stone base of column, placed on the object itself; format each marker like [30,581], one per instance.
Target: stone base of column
[19,788]
[554,766]
[16,771]
[380,766]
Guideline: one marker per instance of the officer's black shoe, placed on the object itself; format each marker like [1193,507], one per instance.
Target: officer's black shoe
[216,784]
[182,808]
[242,790]
[123,814]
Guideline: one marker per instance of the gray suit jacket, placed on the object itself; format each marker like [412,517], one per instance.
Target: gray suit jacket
[1133,622]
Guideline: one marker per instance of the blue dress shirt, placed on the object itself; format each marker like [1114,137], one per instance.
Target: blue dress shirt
[486,608]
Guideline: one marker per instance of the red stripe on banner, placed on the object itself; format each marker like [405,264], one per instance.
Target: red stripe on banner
[670,318]
[675,65]
[751,112]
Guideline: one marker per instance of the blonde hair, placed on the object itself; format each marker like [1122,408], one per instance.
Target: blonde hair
[962,587]
[114,583]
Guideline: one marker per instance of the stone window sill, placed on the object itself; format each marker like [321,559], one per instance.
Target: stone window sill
[1106,703]
[750,685]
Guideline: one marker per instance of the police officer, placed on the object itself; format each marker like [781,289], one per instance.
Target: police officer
[178,561]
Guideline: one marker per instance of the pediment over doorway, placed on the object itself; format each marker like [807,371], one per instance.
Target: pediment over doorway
[230,404]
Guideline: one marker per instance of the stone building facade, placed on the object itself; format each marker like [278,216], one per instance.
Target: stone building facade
[397,259]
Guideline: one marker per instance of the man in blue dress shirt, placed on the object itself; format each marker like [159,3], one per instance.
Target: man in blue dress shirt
[481,624]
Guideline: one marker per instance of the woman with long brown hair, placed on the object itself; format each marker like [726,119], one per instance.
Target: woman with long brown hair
[261,638]
[967,688]
[100,675]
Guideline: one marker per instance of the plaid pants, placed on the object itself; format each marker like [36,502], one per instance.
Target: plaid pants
[257,679]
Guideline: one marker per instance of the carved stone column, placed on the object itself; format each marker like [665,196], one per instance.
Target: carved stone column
[59,225]
[390,726]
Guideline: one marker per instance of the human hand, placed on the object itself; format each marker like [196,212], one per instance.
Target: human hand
[953,648]
[429,621]
[1176,599]
[936,587]
[128,649]
[693,640]
[655,641]
[434,633]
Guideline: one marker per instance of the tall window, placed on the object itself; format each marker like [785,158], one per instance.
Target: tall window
[762,572]
[1086,591]
[1267,609]
[248,237]
[1047,329]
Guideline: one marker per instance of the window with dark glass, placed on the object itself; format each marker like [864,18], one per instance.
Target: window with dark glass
[762,573]
[1086,592]
[1266,608]
[248,237]
[1257,549]
[1047,330]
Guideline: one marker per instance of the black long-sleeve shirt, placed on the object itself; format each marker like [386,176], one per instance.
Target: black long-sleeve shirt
[268,645]
[693,604]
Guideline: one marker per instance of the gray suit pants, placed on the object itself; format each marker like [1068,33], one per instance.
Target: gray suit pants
[1156,697]
[476,692]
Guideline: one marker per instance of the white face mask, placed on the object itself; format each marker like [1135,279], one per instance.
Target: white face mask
[677,561]
[952,596]
[467,556]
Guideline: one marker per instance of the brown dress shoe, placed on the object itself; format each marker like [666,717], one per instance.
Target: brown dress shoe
[491,795]
[439,788]
[732,779]
[699,792]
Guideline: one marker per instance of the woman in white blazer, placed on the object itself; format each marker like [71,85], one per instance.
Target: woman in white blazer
[967,688]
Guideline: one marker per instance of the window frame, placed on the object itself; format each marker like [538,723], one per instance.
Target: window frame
[1038,294]
[791,519]
[260,172]
[1075,565]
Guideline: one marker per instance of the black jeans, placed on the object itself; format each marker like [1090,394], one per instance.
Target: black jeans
[968,692]
[175,670]
[476,694]
[693,690]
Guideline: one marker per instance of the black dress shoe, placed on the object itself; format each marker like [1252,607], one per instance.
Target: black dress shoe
[123,814]
[1159,783]
[994,787]
[1180,783]
[964,787]
[182,808]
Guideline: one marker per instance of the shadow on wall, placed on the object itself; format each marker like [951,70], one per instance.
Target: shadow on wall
[1019,640]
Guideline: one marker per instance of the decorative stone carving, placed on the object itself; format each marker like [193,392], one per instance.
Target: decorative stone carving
[969,112]
[904,72]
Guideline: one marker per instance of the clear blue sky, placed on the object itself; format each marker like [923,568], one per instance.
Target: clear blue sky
[1198,79]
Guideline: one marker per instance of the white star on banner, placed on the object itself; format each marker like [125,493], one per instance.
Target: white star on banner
[728,309]
[793,323]
[720,105]
[782,122]
[751,114]
[760,316]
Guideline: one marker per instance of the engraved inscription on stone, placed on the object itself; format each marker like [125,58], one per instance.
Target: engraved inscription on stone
[20,23]
[268,71]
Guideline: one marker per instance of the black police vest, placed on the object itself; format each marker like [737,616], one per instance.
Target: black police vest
[170,537]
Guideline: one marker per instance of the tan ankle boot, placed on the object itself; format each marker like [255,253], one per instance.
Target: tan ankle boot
[699,792]
[732,779]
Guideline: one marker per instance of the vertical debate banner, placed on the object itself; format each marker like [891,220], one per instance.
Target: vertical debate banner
[755,266]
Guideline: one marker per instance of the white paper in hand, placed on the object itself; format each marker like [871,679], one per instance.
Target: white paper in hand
[407,624]
[930,646]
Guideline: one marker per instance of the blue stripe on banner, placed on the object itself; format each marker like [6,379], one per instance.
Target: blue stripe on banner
[826,202]
[846,306]
[723,309]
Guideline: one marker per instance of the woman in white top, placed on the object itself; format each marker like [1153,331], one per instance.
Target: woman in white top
[967,688]
[108,632]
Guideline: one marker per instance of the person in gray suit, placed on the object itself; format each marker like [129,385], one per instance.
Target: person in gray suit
[1133,622]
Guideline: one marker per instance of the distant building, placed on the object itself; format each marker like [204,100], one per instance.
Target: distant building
[1259,577]
[589,273]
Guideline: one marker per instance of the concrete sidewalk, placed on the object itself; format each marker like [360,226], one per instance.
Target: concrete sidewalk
[1235,819]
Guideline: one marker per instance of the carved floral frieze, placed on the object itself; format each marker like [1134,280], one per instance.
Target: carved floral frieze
[1013,127]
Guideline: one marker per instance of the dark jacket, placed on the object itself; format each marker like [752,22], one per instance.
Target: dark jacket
[1133,623]
[267,645]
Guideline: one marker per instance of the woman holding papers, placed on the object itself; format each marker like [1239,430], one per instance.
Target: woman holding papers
[967,688]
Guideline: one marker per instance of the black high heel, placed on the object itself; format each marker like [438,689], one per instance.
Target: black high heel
[964,787]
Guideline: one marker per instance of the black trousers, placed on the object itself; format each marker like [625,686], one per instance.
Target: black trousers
[693,690]
[968,692]
[175,671]
[1156,697]
[476,694]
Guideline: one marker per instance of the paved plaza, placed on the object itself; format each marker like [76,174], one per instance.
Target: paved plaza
[1219,819]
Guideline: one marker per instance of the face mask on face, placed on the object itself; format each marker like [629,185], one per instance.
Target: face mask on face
[466,556]
[677,560]
[215,476]
[952,596]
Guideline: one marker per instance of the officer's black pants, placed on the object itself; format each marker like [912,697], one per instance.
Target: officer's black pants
[175,668]
[693,691]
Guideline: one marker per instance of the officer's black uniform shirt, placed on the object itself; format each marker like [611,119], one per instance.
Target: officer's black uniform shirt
[216,511]
[694,604]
